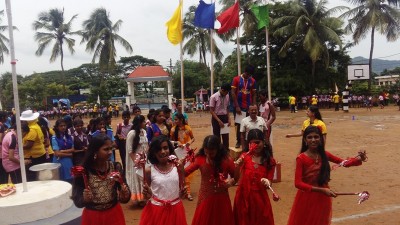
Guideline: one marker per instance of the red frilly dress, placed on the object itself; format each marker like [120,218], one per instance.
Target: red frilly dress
[312,208]
[164,207]
[252,205]
[214,205]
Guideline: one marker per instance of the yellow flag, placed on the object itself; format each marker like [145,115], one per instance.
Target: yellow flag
[174,26]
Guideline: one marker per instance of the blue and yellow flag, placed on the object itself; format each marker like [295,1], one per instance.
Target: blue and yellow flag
[174,26]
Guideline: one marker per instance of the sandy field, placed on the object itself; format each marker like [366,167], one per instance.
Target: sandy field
[377,132]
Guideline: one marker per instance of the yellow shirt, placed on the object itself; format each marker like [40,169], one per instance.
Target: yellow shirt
[292,100]
[336,98]
[318,123]
[184,135]
[35,134]
[314,101]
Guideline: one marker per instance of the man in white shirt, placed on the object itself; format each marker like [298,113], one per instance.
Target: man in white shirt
[251,122]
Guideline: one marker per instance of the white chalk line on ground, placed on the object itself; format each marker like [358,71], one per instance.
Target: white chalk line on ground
[356,216]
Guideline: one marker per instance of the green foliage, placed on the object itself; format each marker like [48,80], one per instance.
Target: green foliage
[196,75]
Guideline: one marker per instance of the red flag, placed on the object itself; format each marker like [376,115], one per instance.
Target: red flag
[229,18]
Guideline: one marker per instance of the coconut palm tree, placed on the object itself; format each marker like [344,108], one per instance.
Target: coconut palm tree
[3,40]
[52,23]
[198,39]
[370,16]
[100,35]
[308,31]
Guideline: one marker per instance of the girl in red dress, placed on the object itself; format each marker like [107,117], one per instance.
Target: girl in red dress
[252,205]
[214,206]
[313,201]
[162,187]
[104,187]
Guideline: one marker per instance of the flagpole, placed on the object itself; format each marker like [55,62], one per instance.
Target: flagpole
[212,60]
[268,63]
[16,97]
[238,48]
[182,81]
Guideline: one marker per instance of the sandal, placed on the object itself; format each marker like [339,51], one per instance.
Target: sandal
[190,197]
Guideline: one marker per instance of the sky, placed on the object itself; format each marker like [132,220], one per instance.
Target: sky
[143,27]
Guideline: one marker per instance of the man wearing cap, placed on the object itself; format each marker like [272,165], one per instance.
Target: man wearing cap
[243,95]
[219,103]
[33,142]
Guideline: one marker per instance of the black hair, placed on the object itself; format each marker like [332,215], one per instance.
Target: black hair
[136,126]
[90,126]
[325,170]
[25,127]
[155,146]
[267,154]
[44,126]
[134,108]
[77,121]
[150,115]
[178,116]
[214,142]
[315,110]
[156,113]
[226,87]
[262,92]
[55,128]
[166,110]
[249,69]
[96,122]
[94,145]
[125,114]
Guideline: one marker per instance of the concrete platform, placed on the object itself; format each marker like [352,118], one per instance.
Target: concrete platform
[44,199]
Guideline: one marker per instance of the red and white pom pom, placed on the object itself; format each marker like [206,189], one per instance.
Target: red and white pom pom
[363,196]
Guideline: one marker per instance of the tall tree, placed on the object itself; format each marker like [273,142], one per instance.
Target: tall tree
[198,39]
[55,29]
[100,35]
[370,16]
[3,39]
[310,27]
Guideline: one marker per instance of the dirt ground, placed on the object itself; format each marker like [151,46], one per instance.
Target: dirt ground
[376,132]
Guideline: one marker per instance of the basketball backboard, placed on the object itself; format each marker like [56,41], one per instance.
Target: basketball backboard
[358,72]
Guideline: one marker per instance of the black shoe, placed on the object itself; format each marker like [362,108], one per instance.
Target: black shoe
[237,145]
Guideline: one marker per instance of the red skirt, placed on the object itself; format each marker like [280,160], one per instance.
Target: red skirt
[163,215]
[214,210]
[252,207]
[311,208]
[113,216]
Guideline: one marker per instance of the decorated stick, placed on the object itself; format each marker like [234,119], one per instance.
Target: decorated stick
[173,159]
[252,147]
[275,196]
[355,161]
[140,162]
[190,156]
[77,171]
[363,196]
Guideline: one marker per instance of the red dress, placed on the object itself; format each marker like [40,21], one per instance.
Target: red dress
[252,205]
[213,206]
[165,206]
[312,208]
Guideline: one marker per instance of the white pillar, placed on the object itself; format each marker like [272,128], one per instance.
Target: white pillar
[169,93]
[128,96]
[133,99]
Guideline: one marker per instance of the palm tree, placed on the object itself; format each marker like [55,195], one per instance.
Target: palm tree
[198,38]
[308,31]
[3,40]
[370,16]
[100,33]
[52,22]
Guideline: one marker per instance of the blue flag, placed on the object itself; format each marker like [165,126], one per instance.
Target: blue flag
[204,16]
